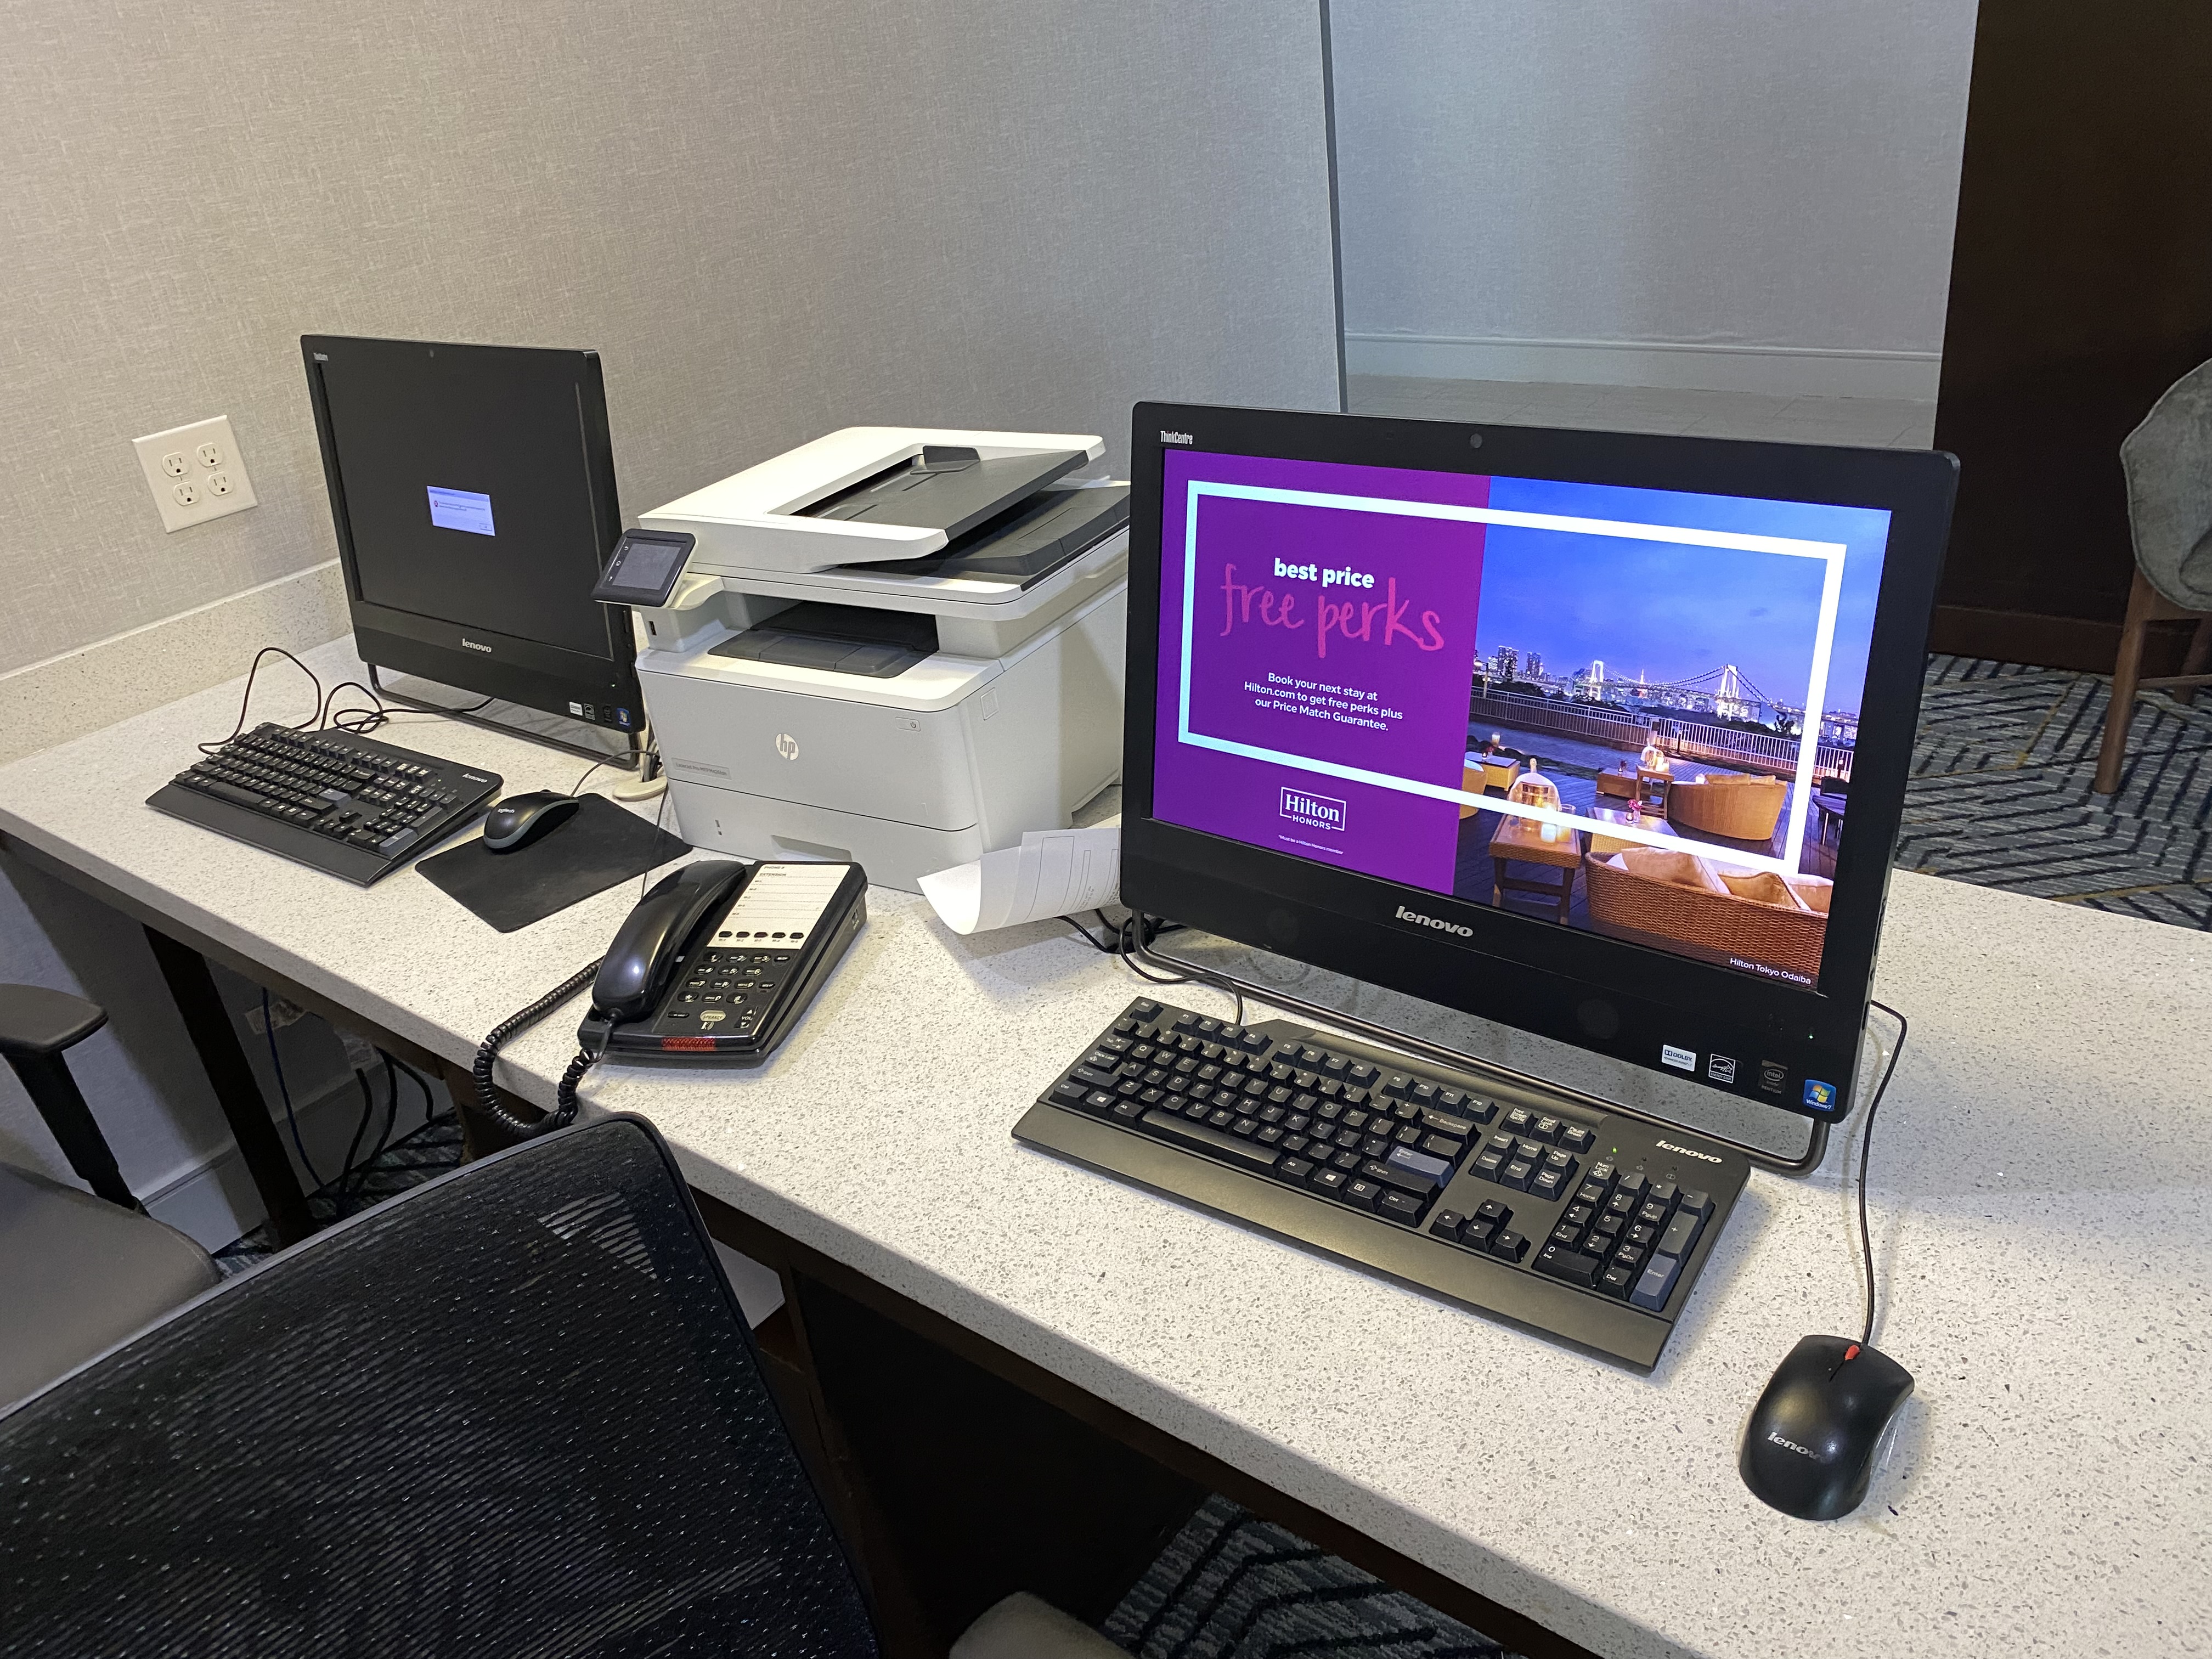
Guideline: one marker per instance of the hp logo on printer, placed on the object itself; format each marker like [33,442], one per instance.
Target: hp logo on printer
[786,745]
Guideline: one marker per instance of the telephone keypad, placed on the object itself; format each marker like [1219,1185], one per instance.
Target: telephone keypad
[733,979]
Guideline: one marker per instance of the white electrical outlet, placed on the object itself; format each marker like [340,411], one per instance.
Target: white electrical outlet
[195,472]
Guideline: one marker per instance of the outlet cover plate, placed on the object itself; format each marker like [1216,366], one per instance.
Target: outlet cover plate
[187,488]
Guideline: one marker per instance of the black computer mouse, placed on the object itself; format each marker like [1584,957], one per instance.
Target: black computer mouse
[1808,1449]
[521,819]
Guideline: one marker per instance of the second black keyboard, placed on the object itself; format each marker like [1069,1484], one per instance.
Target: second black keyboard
[1586,1225]
[348,806]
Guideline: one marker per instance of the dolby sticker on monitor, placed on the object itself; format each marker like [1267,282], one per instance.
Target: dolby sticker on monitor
[1683,1060]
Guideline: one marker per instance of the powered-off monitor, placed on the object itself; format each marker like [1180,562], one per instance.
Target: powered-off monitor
[1610,732]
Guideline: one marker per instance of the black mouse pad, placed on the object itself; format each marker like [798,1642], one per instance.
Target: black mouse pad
[600,846]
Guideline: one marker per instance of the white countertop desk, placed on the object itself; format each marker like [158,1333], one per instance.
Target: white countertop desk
[2042,1206]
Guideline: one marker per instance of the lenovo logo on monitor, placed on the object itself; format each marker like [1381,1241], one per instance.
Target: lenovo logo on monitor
[1313,811]
[1441,926]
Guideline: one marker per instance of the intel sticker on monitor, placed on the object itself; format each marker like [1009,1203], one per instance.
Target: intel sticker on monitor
[461,510]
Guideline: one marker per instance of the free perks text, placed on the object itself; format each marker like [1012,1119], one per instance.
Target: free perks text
[1368,622]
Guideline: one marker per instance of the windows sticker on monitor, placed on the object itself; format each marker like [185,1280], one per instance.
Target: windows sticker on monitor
[1556,728]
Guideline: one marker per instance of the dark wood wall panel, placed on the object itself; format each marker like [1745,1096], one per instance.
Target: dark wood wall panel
[2081,288]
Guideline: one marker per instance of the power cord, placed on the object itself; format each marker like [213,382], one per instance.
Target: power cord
[246,697]
[283,1090]
[564,1094]
[339,1185]
[1122,942]
[352,1178]
[328,716]
[392,1067]
[1866,1149]
[360,722]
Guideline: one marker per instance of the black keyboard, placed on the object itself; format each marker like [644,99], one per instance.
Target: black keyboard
[347,806]
[1581,1225]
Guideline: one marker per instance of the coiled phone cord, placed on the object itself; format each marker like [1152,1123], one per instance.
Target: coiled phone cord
[564,1094]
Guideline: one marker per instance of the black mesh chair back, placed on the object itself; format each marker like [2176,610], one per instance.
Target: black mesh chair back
[515,1412]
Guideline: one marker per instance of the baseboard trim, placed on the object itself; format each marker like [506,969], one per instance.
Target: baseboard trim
[1800,371]
[213,1201]
[91,686]
[2077,642]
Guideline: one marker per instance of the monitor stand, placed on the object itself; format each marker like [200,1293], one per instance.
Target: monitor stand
[632,759]
[1277,996]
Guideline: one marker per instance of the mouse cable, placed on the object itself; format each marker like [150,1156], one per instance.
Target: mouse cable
[1866,1149]
[564,1094]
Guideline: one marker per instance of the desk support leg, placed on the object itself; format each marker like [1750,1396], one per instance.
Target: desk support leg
[207,1023]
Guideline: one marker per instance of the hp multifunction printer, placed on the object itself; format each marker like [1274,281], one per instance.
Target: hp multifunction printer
[896,646]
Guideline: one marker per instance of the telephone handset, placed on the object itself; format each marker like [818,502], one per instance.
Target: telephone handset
[634,972]
[718,961]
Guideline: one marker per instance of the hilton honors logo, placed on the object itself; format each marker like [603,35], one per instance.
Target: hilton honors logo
[1313,811]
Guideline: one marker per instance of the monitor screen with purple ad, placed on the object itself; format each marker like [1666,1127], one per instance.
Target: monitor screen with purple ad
[1626,711]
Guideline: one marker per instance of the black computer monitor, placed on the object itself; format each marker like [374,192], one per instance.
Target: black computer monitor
[472,489]
[1599,736]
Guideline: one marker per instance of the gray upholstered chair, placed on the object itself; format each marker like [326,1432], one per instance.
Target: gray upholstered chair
[79,1272]
[2168,463]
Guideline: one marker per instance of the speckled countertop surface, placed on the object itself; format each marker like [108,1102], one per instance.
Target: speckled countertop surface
[2042,1201]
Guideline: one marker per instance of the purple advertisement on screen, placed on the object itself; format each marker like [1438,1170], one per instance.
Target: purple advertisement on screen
[1630,711]
[1329,623]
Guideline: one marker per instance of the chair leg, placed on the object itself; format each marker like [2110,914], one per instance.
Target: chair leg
[2127,672]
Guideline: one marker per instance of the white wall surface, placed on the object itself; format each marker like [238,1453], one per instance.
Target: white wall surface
[1743,176]
[770,219]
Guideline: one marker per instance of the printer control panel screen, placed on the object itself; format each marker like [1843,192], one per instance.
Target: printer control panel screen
[1630,711]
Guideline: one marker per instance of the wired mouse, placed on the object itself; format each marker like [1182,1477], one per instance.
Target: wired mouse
[518,820]
[1808,1449]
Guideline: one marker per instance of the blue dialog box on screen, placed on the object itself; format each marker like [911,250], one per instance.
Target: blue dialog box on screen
[460,509]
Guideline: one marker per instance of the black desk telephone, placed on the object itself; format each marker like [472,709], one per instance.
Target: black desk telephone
[717,963]
[722,958]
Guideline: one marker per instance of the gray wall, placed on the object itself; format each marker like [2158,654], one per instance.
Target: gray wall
[1777,172]
[771,220]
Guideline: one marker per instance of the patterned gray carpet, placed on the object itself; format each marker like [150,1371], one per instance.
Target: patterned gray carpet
[429,1151]
[2000,793]
[1232,1586]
